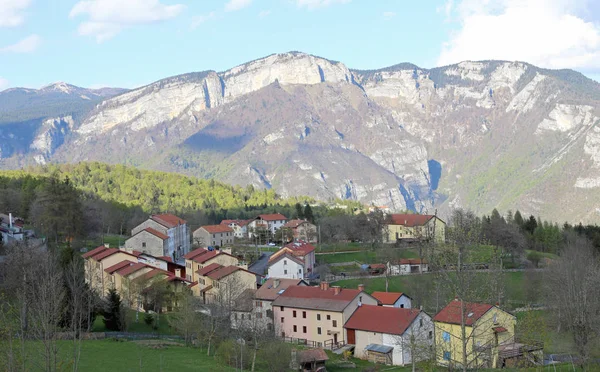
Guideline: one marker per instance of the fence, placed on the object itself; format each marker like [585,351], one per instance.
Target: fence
[327,344]
[118,335]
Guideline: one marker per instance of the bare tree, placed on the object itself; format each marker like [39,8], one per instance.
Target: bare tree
[573,292]
[186,320]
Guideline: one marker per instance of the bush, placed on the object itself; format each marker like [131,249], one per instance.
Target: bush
[150,320]
[534,257]
[230,352]
[275,357]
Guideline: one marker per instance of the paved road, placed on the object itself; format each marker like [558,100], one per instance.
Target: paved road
[260,266]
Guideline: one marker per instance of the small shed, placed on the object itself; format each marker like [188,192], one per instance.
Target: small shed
[312,360]
[379,353]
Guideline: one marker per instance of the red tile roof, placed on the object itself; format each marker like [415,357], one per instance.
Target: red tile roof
[452,314]
[300,248]
[390,320]
[118,266]
[409,220]
[387,298]
[288,255]
[272,217]
[222,272]
[105,253]
[411,261]
[240,223]
[94,251]
[215,229]
[168,220]
[156,233]
[209,255]
[154,272]
[207,269]
[131,269]
[316,298]
[271,288]
[499,329]
[292,224]
[194,253]
[165,258]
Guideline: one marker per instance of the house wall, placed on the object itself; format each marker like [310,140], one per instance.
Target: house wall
[152,224]
[399,232]
[222,259]
[480,334]
[286,268]
[95,275]
[155,246]
[363,339]
[152,261]
[363,298]
[179,241]
[230,287]
[310,322]
[218,239]
[309,263]
[403,300]
[307,232]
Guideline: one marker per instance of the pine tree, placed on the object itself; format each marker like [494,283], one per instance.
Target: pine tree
[299,211]
[519,219]
[112,313]
[308,213]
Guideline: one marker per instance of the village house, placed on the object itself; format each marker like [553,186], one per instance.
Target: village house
[213,235]
[201,257]
[293,261]
[240,227]
[175,229]
[267,293]
[98,260]
[393,299]
[269,222]
[242,312]
[221,285]
[414,228]
[390,335]
[317,314]
[302,230]
[406,266]
[11,229]
[487,327]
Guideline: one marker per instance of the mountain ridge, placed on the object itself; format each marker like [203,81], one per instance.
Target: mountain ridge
[498,133]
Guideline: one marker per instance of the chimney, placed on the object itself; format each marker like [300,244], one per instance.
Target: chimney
[336,289]
[324,286]
[275,283]
[10,220]
[361,287]
[178,273]
[106,245]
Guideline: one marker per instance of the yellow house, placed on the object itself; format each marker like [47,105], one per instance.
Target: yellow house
[415,227]
[97,261]
[218,284]
[201,257]
[486,328]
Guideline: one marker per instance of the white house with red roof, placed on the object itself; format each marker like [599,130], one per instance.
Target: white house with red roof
[293,261]
[390,335]
[213,236]
[240,227]
[393,299]
[414,227]
[302,230]
[271,222]
[172,230]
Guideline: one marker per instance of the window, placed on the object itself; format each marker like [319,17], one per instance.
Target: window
[495,318]
[318,330]
[334,323]
[242,316]
[446,336]
[359,298]
[284,262]
[143,244]
[318,316]
[303,329]
[285,272]
[282,319]
[295,329]
[402,306]
[235,316]
[328,317]
[420,323]
[283,334]
[259,316]
[294,313]
[249,316]
[258,303]
[299,271]
[430,335]
[446,355]
[304,314]
[280,308]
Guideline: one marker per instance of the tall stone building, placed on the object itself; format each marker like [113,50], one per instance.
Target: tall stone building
[161,235]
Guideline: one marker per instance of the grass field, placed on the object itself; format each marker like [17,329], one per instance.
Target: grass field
[363,257]
[140,326]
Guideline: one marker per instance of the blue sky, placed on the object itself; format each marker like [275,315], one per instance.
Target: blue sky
[128,43]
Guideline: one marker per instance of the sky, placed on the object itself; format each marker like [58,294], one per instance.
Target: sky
[130,43]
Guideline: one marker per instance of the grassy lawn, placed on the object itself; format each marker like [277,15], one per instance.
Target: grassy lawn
[551,256]
[139,327]
[363,257]
[344,269]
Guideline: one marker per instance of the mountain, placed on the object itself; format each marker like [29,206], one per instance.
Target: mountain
[476,134]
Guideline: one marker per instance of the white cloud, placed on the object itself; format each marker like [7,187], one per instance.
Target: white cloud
[3,83]
[313,4]
[198,20]
[264,13]
[388,15]
[106,18]
[11,12]
[234,5]
[27,45]
[546,33]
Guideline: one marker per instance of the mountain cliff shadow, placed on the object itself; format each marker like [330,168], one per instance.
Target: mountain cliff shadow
[435,173]
[219,137]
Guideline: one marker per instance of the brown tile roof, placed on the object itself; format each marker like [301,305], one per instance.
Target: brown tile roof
[216,229]
[411,261]
[451,313]
[390,320]
[211,254]
[168,220]
[409,220]
[154,272]
[94,251]
[118,266]
[316,298]
[387,298]
[292,224]
[156,233]
[272,217]
[194,253]
[131,269]
[300,248]
[269,291]
[240,223]
[207,269]
[222,272]
[313,355]
[105,253]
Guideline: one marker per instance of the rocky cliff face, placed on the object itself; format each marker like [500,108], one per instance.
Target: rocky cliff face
[477,134]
